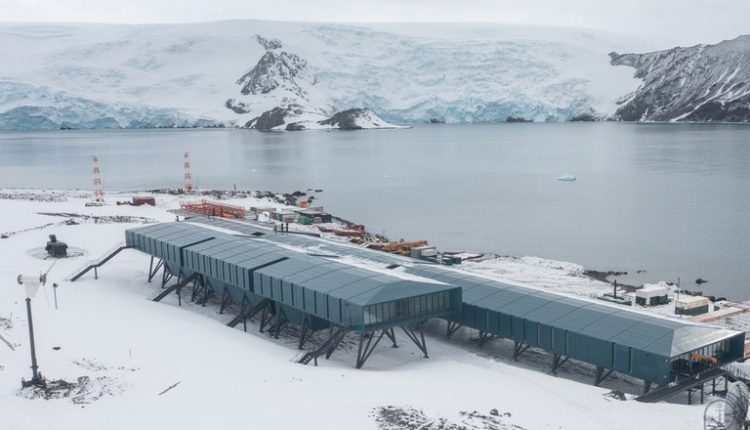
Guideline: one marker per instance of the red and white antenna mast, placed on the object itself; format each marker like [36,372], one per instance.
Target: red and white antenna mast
[188,176]
[96,172]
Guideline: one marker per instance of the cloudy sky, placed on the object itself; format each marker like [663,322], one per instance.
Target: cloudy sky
[684,21]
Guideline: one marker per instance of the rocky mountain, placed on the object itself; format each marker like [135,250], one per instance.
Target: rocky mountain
[699,83]
[287,79]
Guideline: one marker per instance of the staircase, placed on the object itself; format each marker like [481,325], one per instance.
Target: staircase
[326,348]
[249,312]
[102,260]
[176,286]
[667,391]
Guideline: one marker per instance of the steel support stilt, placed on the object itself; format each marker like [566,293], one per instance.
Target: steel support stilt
[303,333]
[153,270]
[224,300]
[557,362]
[417,338]
[601,375]
[451,328]
[392,336]
[518,349]
[484,337]
[364,353]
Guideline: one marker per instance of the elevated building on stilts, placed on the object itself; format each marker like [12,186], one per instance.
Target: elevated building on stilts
[318,284]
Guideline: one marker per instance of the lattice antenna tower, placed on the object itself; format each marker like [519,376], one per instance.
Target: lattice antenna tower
[188,176]
[97,174]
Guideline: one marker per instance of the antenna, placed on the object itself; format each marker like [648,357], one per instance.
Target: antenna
[96,172]
[188,176]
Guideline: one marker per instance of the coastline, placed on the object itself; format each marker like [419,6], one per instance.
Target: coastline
[559,276]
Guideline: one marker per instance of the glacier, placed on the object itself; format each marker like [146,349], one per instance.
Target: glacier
[186,75]
[41,108]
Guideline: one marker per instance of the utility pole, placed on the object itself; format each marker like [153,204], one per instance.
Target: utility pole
[35,378]
[31,285]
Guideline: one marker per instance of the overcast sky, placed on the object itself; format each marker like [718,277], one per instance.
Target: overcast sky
[684,21]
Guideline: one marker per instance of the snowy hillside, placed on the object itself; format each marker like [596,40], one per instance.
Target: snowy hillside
[230,72]
[699,83]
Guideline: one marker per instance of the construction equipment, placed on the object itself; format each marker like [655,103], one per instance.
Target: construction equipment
[402,248]
[215,209]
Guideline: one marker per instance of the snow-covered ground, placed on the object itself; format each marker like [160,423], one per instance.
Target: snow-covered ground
[95,76]
[132,349]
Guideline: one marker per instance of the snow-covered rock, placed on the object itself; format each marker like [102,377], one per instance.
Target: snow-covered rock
[296,118]
[233,71]
[356,119]
[699,83]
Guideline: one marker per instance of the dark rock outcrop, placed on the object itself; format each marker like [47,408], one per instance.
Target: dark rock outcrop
[295,126]
[237,106]
[268,44]
[347,119]
[589,116]
[273,118]
[517,119]
[273,70]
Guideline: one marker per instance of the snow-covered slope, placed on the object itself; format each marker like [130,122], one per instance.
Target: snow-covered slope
[699,83]
[123,352]
[84,75]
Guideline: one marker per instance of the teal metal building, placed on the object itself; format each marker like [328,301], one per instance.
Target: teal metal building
[649,347]
[280,274]
[288,286]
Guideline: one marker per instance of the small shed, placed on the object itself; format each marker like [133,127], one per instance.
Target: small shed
[691,305]
[284,216]
[312,216]
[652,295]
[422,252]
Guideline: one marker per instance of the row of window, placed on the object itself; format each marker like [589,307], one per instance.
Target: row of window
[715,350]
[407,308]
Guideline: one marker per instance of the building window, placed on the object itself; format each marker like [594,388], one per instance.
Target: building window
[406,308]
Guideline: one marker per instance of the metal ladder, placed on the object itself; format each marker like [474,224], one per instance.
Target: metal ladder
[326,348]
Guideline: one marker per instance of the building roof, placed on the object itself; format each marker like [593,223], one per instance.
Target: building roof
[357,285]
[685,299]
[650,333]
